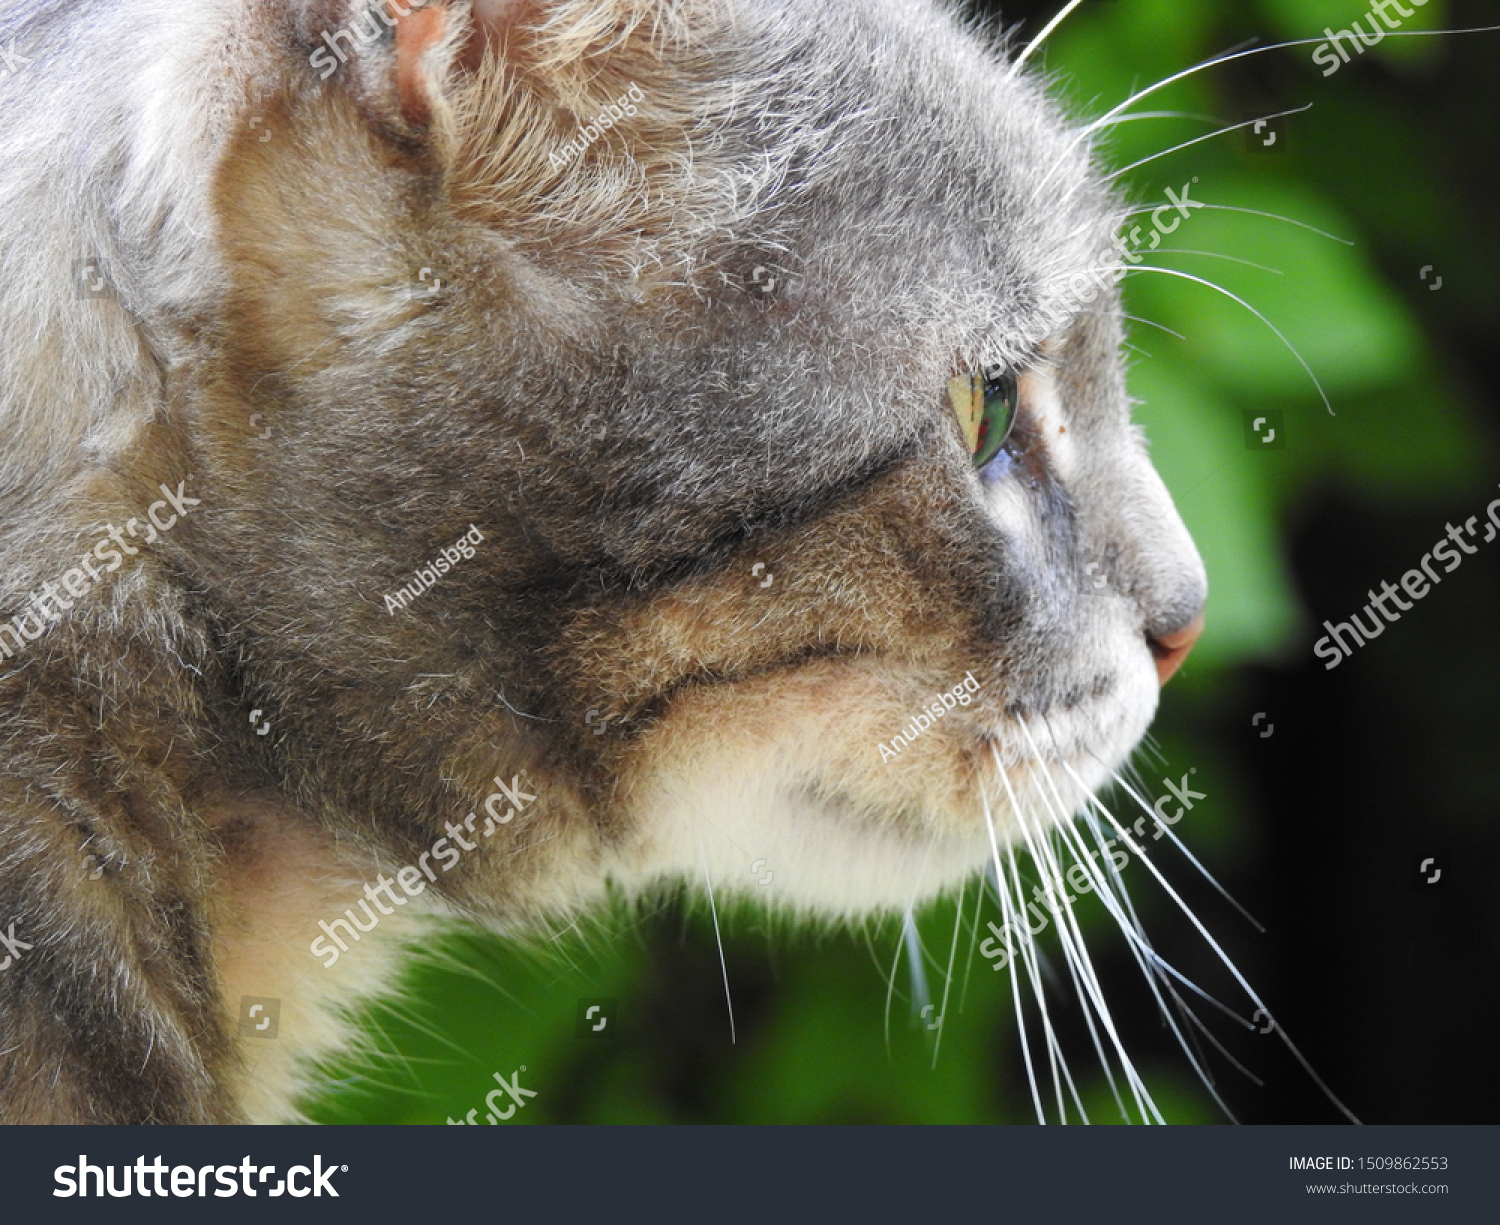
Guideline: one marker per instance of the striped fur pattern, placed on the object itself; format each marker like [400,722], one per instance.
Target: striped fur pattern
[355,316]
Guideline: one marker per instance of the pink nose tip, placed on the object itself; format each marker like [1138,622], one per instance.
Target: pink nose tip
[1171,649]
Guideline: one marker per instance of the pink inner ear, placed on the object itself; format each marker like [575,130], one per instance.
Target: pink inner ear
[497,15]
[493,19]
[416,34]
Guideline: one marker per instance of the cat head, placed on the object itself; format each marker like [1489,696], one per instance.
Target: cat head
[673,311]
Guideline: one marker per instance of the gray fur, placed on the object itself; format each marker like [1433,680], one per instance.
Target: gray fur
[604,387]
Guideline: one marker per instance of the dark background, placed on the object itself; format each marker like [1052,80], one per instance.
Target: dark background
[1387,983]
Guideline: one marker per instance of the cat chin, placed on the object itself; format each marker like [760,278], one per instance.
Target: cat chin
[767,818]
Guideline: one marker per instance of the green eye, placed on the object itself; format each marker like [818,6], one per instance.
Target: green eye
[986,408]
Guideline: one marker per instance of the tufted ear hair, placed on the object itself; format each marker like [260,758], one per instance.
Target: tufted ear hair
[402,60]
[559,122]
[392,56]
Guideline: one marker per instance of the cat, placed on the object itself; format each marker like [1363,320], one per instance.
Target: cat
[454,449]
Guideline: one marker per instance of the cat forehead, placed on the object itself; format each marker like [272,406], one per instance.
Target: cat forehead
[946,185]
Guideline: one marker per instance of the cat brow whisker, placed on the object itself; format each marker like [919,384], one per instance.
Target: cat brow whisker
[1150,323]
[1160,115]
[1233,259]
[1253,212]
[1110,116]
[1042,36]
[1198,140]
[1226,58]
[1233,297]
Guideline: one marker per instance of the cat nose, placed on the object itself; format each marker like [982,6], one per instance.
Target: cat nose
[1169,650]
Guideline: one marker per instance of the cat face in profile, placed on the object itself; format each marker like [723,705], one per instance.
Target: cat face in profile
[671,313]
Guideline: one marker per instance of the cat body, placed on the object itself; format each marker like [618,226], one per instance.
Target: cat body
[284,334]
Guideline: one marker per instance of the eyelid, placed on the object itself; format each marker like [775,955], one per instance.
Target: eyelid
[966,394]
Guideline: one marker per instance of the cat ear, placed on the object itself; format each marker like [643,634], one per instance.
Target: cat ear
[400,59]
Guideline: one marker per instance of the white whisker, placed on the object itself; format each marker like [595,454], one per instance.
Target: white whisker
[1151,323]
[1004,895]
[723,963]
[1064,827]
[1218,951]
[1160,115]
[1034,977]
[1149,961]
[1048,867]
[1236,55]
[1193,859]
[1233,297]
[1233,259]
[1095,994]
[963,995]
[1042,37]
[942,1019]
[1253,212]
[920,996]
[1198,140]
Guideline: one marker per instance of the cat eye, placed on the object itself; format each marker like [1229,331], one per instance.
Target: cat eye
[986,408]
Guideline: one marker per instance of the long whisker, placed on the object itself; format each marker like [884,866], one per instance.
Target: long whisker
[1207,875]
[890,992]
[1160,115]
[1042,37]
[1253,212]
[1291,348]
[1218,951]
[1233,259]
[920,996]
[1236,55]
[1198,140]
[1095,994]
[1034,977]
[723,964]
[1135,930]
[1003,892]
[1064,825]
[1151,323]
[942,1020]
[963,995]
[1149,962]
[1048,867]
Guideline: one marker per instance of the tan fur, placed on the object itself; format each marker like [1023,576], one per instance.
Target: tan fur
[281,876]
